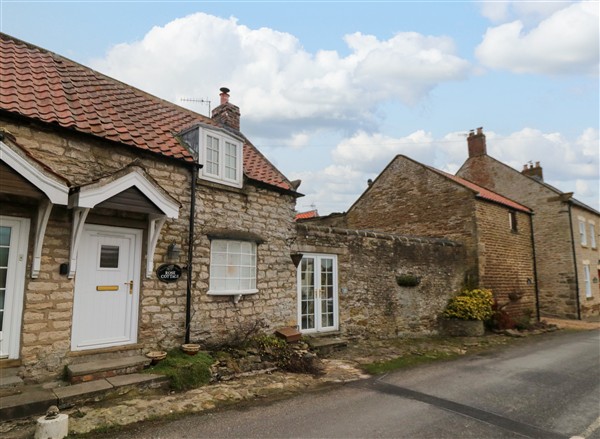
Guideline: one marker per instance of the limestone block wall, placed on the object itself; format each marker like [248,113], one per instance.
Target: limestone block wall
[371,303]
[256,211]
[410,199]
[506,262]
[587,255]
[48,302]
[552,231]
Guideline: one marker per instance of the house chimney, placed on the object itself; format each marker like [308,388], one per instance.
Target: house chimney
[226,113]
[534,172]
[476,143]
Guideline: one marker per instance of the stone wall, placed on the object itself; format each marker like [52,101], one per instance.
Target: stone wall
[409,198]
[371,303]
[48,303]
[269,215]
[506,259]
[590,256]
[557,282]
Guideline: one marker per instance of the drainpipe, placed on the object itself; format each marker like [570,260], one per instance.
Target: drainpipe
[535,278]
[188,296]
[575,265]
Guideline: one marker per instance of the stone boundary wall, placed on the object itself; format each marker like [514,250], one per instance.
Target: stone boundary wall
[371,303]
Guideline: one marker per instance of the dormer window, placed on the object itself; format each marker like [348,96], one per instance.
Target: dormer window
[220,152]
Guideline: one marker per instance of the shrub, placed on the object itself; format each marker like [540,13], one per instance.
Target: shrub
[470,305]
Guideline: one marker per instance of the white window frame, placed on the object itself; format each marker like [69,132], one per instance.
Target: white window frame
[582,234]
[593,235]
[587,280]
[213,277]
[223,140]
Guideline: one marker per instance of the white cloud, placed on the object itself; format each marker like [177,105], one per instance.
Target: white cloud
[565,42]
[500,11]
[270,73]
[570,164]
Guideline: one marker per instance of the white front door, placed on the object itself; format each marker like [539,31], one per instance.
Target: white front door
[14,233]
[317,293]
[105,307]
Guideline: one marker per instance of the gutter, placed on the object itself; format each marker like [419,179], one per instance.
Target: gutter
[575,264]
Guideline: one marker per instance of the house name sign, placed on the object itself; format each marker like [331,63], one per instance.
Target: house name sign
[168,273]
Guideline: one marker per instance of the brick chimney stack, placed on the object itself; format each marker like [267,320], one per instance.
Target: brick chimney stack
[226,113]
[476,143]
[532,171]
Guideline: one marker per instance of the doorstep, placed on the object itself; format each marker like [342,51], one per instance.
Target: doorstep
[35,399]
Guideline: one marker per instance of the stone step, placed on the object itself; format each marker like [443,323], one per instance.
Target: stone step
[9,377]
[94,370]
[35,399]
[325,345]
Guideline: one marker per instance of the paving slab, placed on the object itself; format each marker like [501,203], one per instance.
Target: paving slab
[104,365]
[34,400]
[70,395]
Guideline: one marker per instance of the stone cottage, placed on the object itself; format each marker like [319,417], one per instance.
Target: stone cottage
[565,231]
[410,198]
[128,223]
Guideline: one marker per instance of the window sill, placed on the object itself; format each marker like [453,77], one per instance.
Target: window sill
[232,292]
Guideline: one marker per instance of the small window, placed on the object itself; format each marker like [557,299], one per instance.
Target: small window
[512,220]
[221,156]
[232,267]
[582,235]
[587,280]
[109,256]
[593,236]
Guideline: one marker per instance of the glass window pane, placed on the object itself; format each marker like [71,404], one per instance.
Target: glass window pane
[3,272]
[219,246]
[233,266]
[5,235]
[3,256]
[234,247]
[109,256]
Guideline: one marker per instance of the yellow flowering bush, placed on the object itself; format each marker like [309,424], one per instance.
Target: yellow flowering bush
[470,305]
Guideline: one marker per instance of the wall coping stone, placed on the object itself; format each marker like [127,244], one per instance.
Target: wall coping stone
[405,239]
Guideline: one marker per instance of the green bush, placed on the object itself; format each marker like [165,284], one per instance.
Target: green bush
[470,305]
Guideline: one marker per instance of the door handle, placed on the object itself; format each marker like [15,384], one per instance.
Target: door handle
[130,283]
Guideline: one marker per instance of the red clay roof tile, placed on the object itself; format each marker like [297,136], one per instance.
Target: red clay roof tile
[42,85]
[486,194]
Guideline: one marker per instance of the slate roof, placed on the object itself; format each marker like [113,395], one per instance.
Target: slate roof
[484,193]
[42,85]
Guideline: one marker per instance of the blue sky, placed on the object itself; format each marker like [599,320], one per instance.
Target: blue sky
[332,91]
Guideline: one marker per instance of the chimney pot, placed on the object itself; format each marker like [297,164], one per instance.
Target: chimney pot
[534,172]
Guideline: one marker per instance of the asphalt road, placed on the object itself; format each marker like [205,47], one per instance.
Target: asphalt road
[548,387]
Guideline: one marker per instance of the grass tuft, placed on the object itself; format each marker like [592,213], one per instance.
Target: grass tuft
[381,367]
[184,371]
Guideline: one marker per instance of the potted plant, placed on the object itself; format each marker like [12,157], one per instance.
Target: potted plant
[465,313]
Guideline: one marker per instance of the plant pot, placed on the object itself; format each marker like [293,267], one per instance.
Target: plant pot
[462,328]
[156,356]
[190,348]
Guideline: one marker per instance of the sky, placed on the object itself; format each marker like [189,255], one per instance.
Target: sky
[331,91]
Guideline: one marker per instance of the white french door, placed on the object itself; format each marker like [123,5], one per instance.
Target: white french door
[105,307]
[317,293]
[14,234]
